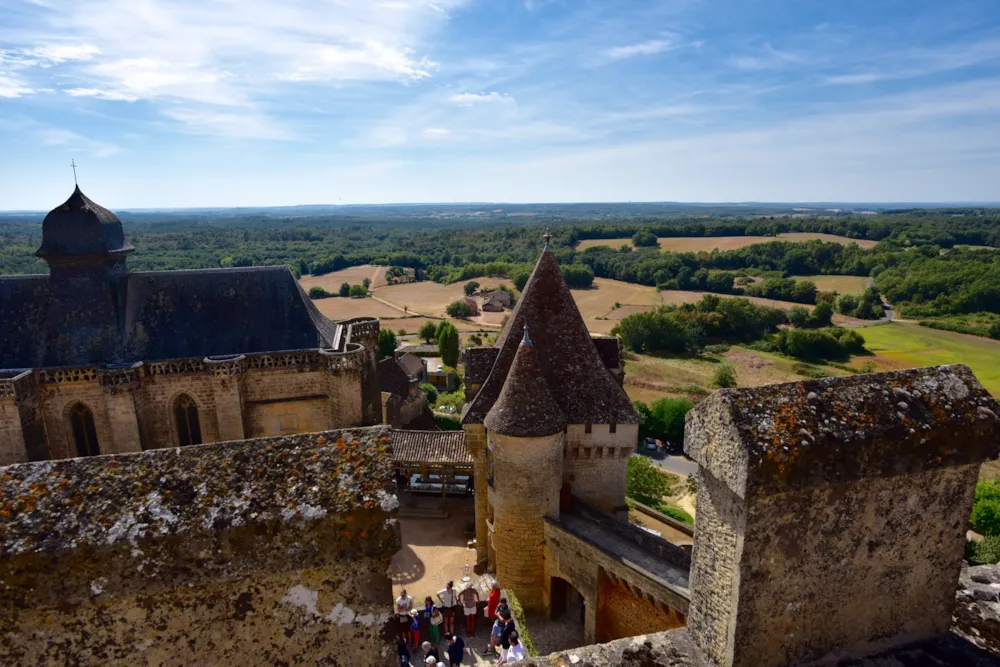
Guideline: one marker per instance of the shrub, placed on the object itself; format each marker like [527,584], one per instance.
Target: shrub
[986,516]
[458,308]
[522,629]
[345,290]
[717,348]
[475,339]
[986,552]
[664,418]
[317,292]
[868,367]
[809,371]
[447,422]
[645,482]
[470,287]
[995,330]
[431,391]
[724,376]
[386,343]
[358,291]
[401,331]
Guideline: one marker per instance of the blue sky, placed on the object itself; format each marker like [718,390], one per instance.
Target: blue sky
[275,102]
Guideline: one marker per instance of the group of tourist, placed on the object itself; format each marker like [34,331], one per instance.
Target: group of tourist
[440,618]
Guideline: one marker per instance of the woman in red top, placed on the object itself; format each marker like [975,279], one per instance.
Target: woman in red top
[493,601]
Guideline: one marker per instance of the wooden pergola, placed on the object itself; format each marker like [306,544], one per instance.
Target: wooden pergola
[442,454]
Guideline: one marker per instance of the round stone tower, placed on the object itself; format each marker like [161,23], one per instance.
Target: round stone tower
[525,441]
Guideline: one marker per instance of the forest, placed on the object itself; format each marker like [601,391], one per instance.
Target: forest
[921,264]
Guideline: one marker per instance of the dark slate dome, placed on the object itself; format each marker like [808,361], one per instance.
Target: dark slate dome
[81,227]
[525,407]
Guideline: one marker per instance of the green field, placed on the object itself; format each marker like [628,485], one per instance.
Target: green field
[899,345]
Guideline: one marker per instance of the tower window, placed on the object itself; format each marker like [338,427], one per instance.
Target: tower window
[613,428]
[186,418]
[587,428]
[81,420]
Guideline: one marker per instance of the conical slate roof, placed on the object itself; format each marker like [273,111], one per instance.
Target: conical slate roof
[81,227]
[564,352]
[525,407]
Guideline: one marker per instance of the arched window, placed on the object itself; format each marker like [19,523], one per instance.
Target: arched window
[186,418]
[81,419]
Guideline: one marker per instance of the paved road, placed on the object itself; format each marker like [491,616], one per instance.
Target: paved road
[681,465]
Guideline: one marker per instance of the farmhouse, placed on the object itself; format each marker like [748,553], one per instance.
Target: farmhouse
[98,359]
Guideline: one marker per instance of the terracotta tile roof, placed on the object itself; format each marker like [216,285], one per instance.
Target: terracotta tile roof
[565,353]
[430,447]
[525,407]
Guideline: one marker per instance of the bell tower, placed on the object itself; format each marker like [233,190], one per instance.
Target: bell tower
[84,246]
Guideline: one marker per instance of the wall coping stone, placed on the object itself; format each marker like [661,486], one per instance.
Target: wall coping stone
[796,436]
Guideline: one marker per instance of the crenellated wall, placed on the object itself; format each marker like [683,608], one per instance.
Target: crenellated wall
[240,396]
[595,462]
[261,552]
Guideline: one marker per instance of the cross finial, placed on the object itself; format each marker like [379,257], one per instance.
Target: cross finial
[548,237]
[72,163]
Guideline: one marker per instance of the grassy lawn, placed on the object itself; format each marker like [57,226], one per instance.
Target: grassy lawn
[899,345]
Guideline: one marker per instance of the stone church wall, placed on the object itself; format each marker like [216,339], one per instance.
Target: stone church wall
[203,555]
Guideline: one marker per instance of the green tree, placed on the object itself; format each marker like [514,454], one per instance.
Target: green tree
[470,287]
[578,276]
[644,239]
[520,279]
[798,316]
[995,330]
[986,516]
[317,292]
[345,289]
[428,331]
[386,343]
[724,376]
[822,315]
[448,345]
[366,283]
[358,291]
[431,391]
[458,308]
[645,482]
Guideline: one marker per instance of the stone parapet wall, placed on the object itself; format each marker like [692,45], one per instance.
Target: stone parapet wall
[595,463]
[260,552]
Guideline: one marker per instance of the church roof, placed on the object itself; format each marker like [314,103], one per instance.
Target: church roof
[173,314]
[525,407]
[78,226]
[586,393]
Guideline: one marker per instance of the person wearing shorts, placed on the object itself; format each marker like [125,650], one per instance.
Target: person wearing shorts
[449,599]
[404,604]
[470,605]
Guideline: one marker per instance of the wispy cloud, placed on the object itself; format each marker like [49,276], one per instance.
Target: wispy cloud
[12,86]
[915,63]
[473,99]
[767,57]
[648,48]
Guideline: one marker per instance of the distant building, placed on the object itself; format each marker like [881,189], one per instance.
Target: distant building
[414,366]
[97,359]
[492,304]
[471,303]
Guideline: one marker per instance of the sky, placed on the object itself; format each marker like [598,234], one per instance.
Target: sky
[280,102]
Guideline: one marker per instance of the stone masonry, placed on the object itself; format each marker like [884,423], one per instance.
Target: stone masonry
[263,552]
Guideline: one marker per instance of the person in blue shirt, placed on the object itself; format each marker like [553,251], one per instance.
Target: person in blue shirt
[456,649]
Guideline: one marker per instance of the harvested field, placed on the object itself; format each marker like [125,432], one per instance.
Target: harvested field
[338,308]
[842,284]
[353,275]
[684,296]
[429,298]
[628,309]
[600,300]
[709,243]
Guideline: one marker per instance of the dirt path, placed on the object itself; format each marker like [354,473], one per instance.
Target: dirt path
[392,305]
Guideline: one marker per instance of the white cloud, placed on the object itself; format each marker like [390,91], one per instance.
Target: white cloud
[101,94]
[12,86]
[65,52]
[473,99]
[53,136]
[652,47]
[768,58]
[435,132]
[239,124]
[237,55]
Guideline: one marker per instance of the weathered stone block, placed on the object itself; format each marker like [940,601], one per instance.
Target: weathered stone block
[258,552]
[831,513]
